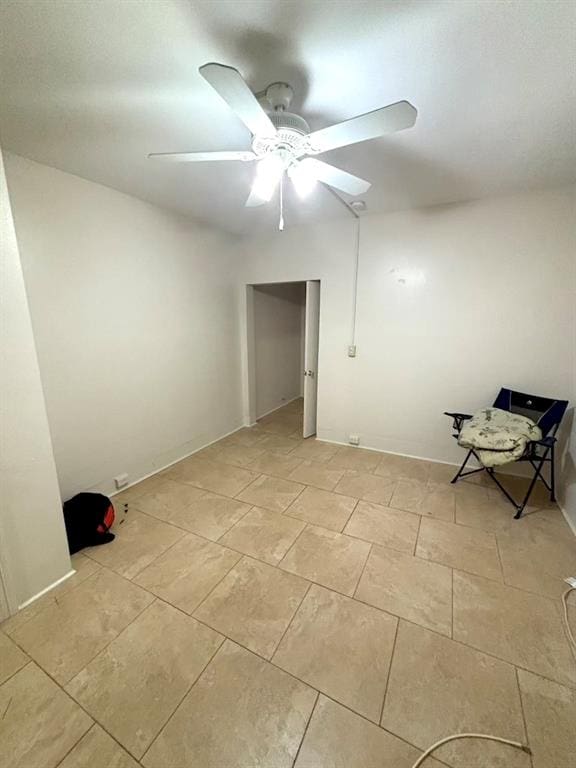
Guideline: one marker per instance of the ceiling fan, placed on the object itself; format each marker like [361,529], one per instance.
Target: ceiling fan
[282,142]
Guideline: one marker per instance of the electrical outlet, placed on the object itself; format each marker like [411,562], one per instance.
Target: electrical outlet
[354,440]
[352,350]
[121,481]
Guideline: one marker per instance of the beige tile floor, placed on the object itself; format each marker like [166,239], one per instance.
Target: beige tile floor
[275,602]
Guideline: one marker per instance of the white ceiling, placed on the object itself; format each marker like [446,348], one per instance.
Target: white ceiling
[93,87]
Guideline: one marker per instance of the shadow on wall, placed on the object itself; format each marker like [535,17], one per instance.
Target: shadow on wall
[567,451]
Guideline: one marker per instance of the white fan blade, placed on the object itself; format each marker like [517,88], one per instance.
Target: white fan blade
[254,200]
[335,177]
[230,85]
[202,157]
[395,117]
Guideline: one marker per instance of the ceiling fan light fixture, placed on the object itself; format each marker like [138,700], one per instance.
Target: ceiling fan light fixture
[304,181]
[268,174]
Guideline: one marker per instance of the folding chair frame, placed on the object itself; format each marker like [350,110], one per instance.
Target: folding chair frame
[538,452]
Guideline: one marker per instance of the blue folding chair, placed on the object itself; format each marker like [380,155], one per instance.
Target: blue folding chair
[544,412]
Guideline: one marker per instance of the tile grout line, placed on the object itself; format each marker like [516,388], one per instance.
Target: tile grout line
[417,536]
[279,643]
[353,595]
[565,683]
[389,672]
[73,747]
[30,660]
[279,563]
[306,728]
[524,721]
[80,706]
[177,707]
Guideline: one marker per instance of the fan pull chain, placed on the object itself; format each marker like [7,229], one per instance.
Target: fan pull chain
[281,222]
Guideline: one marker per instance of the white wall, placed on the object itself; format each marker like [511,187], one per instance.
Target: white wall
[278,334]
[136,325]
[568,491]
[494,309]
[33,547]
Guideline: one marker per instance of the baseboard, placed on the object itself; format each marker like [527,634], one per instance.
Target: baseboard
[46,590]
[176,461]
[278,407]
[570,518]
[410,456]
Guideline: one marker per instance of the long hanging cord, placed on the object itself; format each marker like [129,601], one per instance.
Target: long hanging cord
[355,284]
[487,736]
[281,222]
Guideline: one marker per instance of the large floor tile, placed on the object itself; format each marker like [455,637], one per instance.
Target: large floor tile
[403,467]
[477,508]
[137,682]
[138,543]
[313,473]
[271,493]
[441,473]
[438,687]
[287,424]
[363,485]
[98,750]
[253,605]
[460,547]
[243,712]
[328,558]
[84,568]
[11,658]
[211,516]
[409,587]
[188,571]
[359,459]
[550,712]
[235,455]
[168,499]
[538,552]
[315,450]
[245,436]
[278,443]
[264,535]
[337,738]
[212,476]
[276,464]
[330,510]
[67,634]
[424,499]
[39,723]
[517,626]
[384,525]
[340,647]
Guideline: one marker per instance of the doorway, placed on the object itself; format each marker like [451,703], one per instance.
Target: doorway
[282,355]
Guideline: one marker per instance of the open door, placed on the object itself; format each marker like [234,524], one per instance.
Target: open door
[311,336]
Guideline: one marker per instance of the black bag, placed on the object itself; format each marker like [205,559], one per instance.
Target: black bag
[88,518]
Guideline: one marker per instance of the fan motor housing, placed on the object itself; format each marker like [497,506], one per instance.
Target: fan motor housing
[291,135]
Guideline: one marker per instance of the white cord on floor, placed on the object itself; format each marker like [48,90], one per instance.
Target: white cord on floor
[455,736]
[566,620]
